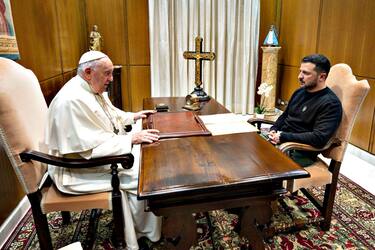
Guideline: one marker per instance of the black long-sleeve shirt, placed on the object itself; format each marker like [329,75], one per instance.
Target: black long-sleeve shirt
[310,118]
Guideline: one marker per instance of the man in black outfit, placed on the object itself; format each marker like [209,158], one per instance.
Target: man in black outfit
[313,114]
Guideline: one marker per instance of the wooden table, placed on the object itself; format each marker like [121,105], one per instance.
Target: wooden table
[182,176]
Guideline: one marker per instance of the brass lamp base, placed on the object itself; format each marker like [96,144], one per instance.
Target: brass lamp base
[192,102]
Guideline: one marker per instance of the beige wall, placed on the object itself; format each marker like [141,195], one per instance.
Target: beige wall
[326,27]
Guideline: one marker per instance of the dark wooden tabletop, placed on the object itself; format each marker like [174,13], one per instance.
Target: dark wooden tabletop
[210,165]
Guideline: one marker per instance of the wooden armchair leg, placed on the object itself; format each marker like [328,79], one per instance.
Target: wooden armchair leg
[329,196]
[65,217]
[118,219]
[118,216]
[40,220]
[210,226]
[92,228]
[329,200]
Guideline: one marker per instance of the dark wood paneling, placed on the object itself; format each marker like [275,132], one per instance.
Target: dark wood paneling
[126,41]
[72,32]
[10,192]
[50,87]
[140,85]
[36,27]
[110,17]
[125,89]
[348,36]
[68,75]
[288,81]
[268,16]
[139,49]
[298,29]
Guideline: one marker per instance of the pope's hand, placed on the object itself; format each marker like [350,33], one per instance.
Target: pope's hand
[143,114]
[147,135]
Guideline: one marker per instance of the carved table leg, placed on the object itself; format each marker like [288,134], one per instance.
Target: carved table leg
[179,231]
[258,213]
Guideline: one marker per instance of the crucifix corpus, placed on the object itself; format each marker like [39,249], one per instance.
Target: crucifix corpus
[198,56]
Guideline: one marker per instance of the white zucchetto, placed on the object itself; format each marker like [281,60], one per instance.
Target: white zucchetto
[91,56]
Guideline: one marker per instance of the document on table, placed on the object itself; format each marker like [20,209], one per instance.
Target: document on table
[229,123]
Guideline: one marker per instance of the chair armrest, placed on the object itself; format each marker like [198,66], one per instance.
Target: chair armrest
[287,146]
[259,121]
[254,121]
[126,160]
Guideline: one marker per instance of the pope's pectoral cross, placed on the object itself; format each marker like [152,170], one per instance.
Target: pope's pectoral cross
[198,56]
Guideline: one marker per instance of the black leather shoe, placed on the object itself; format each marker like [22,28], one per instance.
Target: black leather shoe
[143,243]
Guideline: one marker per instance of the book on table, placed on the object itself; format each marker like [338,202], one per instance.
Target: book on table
[177,124]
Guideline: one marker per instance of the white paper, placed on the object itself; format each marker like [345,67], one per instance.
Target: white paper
[229,123]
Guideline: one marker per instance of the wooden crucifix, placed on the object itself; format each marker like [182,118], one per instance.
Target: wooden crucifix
[198,55]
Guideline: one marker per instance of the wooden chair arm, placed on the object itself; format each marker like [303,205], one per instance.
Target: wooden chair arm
[259,121]
[126,160]
[254,121]
[287,146]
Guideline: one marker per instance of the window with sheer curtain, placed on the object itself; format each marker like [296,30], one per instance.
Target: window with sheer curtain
[230,28]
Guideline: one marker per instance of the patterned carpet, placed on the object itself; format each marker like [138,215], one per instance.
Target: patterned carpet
[353,226]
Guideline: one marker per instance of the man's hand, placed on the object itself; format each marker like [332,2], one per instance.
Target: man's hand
[147,135]
[274,137]
[143,114]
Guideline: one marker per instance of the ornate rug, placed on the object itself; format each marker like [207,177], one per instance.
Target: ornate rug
[353,226]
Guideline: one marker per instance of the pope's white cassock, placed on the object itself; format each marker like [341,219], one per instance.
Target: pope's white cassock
[81,123]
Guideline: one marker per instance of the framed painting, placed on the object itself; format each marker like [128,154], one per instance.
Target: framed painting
[8,42]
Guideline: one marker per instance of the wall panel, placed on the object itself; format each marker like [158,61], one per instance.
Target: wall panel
[298,29]
[50,87]
[125,89]
[36,27]
[139,49]
[68,75]
[72,32]
[349,36]
[268,16]
[140,85]
[288,81]
[110,17]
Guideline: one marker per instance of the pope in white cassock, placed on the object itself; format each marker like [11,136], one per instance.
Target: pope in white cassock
[82,122]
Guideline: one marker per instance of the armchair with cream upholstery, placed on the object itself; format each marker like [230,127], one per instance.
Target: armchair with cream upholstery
[351,93]
[23,113]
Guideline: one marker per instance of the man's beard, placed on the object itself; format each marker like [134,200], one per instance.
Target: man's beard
[309,85]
